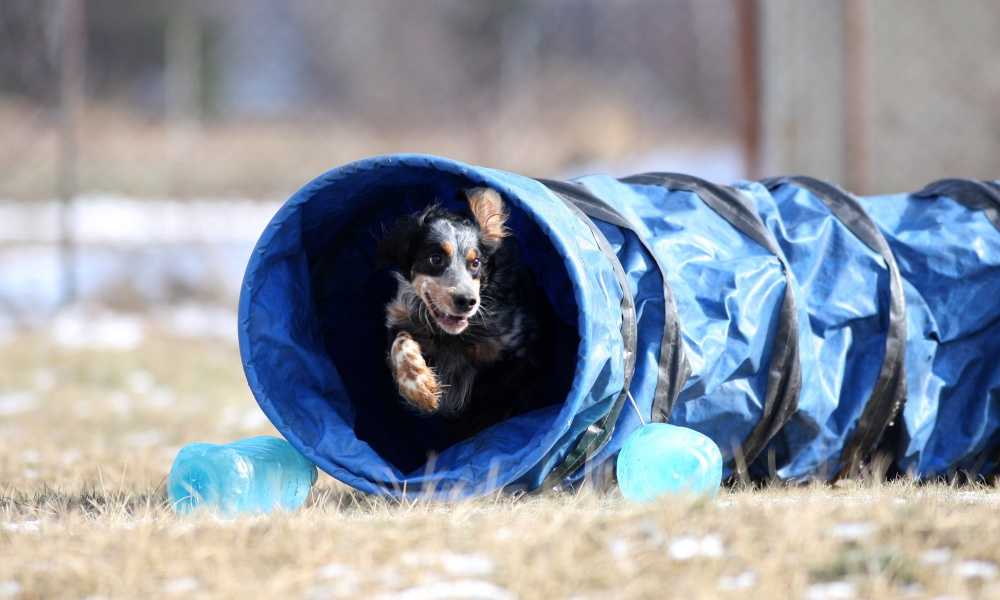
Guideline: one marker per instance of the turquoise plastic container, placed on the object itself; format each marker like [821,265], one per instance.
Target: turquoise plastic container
[660,459]
[255,475]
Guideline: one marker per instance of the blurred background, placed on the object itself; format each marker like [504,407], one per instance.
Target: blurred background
[145,144]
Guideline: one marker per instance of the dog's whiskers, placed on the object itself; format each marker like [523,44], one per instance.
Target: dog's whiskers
[425,315]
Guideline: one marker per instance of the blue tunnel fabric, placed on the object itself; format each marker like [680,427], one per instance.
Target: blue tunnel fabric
[803,329]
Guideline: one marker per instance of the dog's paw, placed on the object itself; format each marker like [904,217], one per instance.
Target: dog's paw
[415,379]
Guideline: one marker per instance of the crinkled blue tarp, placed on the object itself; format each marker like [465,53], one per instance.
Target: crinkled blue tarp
[802,321]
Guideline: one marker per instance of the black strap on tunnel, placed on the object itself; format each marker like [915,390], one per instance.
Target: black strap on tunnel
[976,195]
[673,369]
[597,434]
[889,393]
[784,374]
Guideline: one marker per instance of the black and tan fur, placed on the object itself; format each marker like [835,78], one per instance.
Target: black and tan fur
[457,318]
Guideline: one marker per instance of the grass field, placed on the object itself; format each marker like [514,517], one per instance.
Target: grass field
[88,435]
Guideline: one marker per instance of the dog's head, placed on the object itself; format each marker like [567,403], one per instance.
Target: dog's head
[442,259]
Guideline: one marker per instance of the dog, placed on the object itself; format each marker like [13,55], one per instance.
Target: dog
[461,314]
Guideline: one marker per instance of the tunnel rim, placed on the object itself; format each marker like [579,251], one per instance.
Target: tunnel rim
[563,245]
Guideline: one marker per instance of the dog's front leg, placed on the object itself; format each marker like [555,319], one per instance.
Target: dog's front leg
[415,379]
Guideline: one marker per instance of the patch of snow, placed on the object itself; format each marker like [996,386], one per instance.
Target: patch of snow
[193,320]
[453,563]
[831,590]
[181,585]
[389,577]
[936,556]
[469,565]
[140,381]
[347,588]
[71,456]
[417,559]
[160,399]
[31,456]
[15,403]
[254,419]
[503,534]
[144,439]
[619,548]
[43,566]
[10,588]
[145,244]
[687,547]
[852,530]
[228,521]
[29,526]
[169,452]
[120,403]
[335,571]
[83,410]
[111,218]
[976,569]
[742,581]
[459,589]
[78,328]
[977,498]
[130,523]
[44,380]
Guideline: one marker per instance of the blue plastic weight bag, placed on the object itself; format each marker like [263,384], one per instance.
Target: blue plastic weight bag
[802,329]
[254,475]
[659,459]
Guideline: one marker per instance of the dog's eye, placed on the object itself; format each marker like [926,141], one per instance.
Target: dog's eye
[475,263]
[435,259]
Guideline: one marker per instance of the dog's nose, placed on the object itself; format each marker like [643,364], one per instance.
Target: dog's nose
[463,301]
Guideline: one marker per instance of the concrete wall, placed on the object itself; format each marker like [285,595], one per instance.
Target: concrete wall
[935,83]
[801,98]
[931,91]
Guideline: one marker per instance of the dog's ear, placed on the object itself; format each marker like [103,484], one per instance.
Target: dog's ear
[490,214]
[395,250]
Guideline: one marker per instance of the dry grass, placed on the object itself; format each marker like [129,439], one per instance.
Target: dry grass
[141,156]
[88,436]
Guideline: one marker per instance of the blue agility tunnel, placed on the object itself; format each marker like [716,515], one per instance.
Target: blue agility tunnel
[805,330]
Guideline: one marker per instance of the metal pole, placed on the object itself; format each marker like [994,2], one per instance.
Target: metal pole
[183,65]
[72,29]
[748,62]
[856,96]
[183,85]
